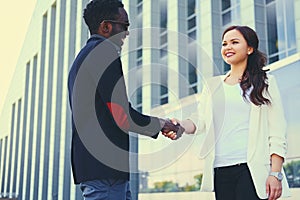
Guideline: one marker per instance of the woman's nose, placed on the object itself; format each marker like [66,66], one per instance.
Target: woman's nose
[228,46]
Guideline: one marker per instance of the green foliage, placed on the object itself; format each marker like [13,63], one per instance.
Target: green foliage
[292,171]
[165,186]
[170,186]
[189,188]
[198,178]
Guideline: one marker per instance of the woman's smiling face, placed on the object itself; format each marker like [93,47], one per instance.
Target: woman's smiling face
[235,49]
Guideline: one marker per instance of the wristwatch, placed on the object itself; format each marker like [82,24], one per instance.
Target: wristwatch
[278,175]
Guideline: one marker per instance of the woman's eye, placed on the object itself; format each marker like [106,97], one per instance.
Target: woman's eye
[224,44]
[235,42]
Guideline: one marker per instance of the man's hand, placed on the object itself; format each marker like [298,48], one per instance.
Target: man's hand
[172,129]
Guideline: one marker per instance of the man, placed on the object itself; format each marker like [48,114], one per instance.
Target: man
[101,113]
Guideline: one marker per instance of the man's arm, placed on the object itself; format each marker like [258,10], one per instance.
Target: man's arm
[112,90]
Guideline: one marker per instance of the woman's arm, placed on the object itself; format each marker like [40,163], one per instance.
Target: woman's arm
[276,121]
[273,185]
[277,139]
[276,163]
[188,125]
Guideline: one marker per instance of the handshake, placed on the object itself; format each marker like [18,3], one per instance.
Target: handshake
[171,129]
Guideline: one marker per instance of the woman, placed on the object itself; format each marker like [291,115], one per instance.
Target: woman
[243,119]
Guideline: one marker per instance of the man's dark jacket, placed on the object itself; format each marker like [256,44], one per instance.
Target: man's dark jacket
[101,150]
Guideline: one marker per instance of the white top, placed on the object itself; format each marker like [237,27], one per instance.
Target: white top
[232,128]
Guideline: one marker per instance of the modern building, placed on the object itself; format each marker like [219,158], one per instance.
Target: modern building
[178,47]
[174,45]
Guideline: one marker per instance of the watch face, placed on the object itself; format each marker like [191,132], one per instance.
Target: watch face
[280,176]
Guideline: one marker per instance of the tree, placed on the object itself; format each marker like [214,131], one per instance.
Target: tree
[189,188]
[170,186]
[198,178]
[166,186]
[292,171]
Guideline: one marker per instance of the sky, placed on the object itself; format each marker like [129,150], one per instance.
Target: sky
[15,17]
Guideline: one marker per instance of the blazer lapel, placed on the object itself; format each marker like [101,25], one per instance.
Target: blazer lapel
[215,98]
[253,130]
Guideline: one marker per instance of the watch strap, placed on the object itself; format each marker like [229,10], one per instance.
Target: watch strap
[278,175]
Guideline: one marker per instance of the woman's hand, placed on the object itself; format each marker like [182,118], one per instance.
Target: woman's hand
[187,124]
[274,188]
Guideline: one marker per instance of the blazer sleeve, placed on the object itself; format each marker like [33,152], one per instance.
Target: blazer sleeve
[112,90]
[203,116]
[276,121]
[198,116]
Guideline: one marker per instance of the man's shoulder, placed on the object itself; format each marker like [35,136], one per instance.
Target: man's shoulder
[91,43]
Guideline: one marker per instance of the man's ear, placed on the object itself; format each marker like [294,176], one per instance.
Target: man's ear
[105,29]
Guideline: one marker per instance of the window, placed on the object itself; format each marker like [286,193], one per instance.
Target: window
[139,7]
[192,36]
[139,30]
[230,12]
[163,38]
[139,53]
[226,17]
[191,17]
[192,23]
[163,88]
[280,29]
[226,4]
[192,74]
[163,14]
[191,7]
[163,53]
[137,98]
[191,71]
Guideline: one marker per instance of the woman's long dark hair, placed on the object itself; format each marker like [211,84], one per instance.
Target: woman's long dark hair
[254,75]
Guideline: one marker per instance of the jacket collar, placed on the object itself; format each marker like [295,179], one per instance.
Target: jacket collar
[100,37]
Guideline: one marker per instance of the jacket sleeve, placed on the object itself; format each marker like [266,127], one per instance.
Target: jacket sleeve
[202,117]
[112,90]
[276,121]
[198,116]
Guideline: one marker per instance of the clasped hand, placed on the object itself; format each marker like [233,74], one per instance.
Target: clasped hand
[172,129]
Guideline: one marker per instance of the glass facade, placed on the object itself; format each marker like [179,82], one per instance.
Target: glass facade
[192,50]
[230,15]
[136,55]
[287,78]
[163,99]
[280,29]
[230,12]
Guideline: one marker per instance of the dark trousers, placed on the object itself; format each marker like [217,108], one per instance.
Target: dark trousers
[106,189]
[234,183]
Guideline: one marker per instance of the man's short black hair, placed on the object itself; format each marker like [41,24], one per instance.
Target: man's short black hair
[98,10]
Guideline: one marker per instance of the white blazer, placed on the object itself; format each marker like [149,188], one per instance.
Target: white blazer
[267,134]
